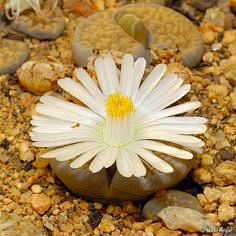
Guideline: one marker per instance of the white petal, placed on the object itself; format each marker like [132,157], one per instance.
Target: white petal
[41,120]
[126,74]
[139,168]
[176,128]
[81,132]
[83,112]
[194,120]
[57,143]
[79,92]
[111,73]
[152,159]
[85,157]
[175,110]
[88,83]
[112,159]
[168,84]
[150,82]
[170,137]
[124,164]
[56,112]
[139,68]
[170,98]
[102,77]
[169,150]
[71,148]
[100,160]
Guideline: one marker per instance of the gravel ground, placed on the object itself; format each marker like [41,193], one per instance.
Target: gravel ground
[29,189]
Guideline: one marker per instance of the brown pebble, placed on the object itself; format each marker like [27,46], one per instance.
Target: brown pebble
[226,153]
[40,203]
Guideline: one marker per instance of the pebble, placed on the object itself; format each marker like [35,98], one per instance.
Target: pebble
[203,4]
[212,194]
[141,225]
[225,173]
[217,91]
[185,219]
[206,160]
[84,206]
[233,100]
[40,203]
[202,176]
[229,37]
[169,198]
[25,152]
[130,208]
[36,188]
[226,153]
[216,46]
[106,226]
[226,212]
[229,195]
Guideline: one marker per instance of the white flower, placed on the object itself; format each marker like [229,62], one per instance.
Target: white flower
[123,119]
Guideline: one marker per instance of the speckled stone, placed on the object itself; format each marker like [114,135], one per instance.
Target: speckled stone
[185,219]
[169,198]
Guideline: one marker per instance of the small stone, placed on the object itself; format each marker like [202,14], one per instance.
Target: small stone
[212,194]
[84,206]
[40,203]
[216,46]
[106,226]
[226,153]
[202,176]
[97,206]
[95,218]
[154,227]
[48,226]
[7,200]
[25,153]
[141,225]
[225,173]
[185,219]
[203,4]
[229,37]
[163,231]
[217,91]
[226,212]
[36,188]
[233,100]
[206,160]
[229,195]
[169,198]
[130,208]
[209,36]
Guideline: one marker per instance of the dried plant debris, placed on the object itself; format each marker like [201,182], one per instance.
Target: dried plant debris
[40,77]
[13,54]
[124,28]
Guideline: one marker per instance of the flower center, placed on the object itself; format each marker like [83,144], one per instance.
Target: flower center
[119,126]
[118,105]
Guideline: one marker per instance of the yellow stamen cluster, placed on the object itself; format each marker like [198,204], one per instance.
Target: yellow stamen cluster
[118,105]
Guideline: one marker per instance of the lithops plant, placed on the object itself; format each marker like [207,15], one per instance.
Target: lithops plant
[117,29]
[30,18]
[13,55]
[126,142]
